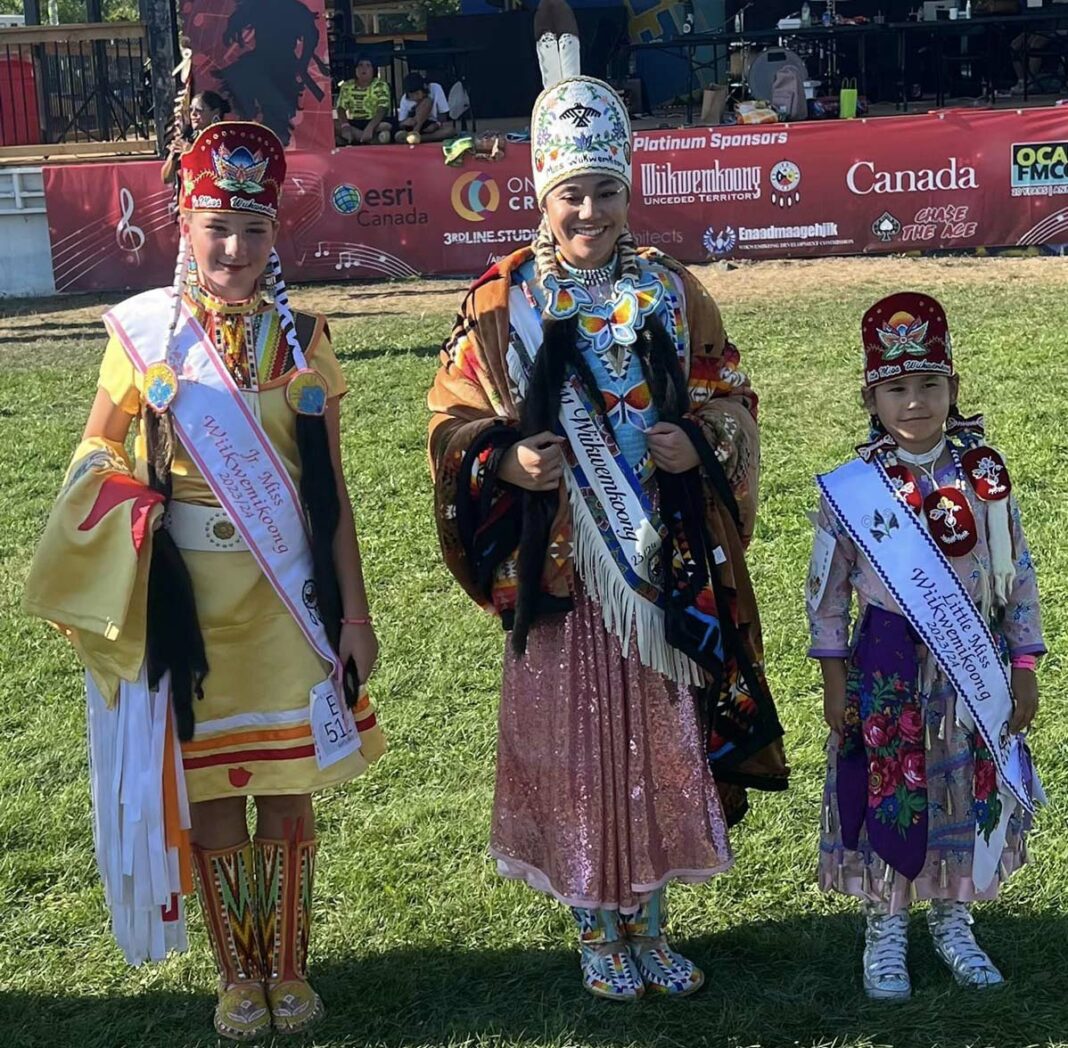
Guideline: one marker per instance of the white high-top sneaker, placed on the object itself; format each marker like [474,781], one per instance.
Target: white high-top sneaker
[886,944]
[954,942]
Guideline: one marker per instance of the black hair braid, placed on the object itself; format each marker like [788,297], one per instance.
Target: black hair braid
[174,642]
[660,366]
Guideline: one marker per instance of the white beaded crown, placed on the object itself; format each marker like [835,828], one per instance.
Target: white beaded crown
[579,126]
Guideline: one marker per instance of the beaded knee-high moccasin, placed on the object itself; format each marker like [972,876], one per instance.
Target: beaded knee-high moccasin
[608,970]
[226,885]
[286,872]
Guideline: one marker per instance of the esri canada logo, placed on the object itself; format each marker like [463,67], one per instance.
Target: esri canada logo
[473,194]
[346,199]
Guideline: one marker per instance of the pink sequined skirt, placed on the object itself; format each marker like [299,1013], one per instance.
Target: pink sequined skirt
[603,790]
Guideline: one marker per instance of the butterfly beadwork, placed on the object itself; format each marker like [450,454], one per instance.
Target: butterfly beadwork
[618,321]
[565,297]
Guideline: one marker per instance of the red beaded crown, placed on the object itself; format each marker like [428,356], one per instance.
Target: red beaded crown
[236,166]
[905,334]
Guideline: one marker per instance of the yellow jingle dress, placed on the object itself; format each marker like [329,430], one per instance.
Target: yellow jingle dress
[253,734]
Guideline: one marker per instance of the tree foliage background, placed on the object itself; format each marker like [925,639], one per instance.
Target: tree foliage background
[122,10]
[74,10]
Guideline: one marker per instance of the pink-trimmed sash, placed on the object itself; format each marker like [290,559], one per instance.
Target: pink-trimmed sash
[232,452]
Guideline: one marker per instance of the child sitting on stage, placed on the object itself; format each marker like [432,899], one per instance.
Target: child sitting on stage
[930,789]
[423,113]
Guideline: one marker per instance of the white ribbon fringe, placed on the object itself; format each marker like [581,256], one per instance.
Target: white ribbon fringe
[625,612]
[141,876]
[999,539]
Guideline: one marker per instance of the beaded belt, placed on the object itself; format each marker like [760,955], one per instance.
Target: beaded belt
[204,528]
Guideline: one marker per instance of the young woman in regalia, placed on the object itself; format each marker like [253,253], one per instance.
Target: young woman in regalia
[930,789]
[212,586]
[595,449]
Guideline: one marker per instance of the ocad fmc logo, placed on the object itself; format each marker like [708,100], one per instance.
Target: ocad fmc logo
[1039,168]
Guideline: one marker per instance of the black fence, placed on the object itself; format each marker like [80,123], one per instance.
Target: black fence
[74,84]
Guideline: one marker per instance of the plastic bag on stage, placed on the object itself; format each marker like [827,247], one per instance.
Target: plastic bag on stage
[459,101]
[755,113]
[847,100]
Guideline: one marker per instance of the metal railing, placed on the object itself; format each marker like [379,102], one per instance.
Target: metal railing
[22,191]
[74,84]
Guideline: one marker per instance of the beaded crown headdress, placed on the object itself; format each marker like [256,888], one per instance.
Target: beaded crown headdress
[905,334]
[579,125]
[236,166]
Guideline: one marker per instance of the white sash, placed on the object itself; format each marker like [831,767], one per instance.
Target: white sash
[933,599]
[617,545]
[231,451]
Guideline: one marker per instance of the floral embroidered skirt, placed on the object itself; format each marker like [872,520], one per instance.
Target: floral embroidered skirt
[952,811]
[603,789]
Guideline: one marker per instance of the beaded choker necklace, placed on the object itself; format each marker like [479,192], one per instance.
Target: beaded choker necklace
[232,327]
[213,304]
[591,277]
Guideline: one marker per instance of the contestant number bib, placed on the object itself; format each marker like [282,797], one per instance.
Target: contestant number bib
[333,727]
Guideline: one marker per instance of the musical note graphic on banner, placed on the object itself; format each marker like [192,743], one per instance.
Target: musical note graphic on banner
[321,252]
[128,236]
[346,260]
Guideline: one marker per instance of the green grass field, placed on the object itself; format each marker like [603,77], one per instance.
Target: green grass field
[417,941]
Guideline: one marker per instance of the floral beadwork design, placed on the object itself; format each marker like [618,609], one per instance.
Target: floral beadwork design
[579,126]
[889,725]
[985,788]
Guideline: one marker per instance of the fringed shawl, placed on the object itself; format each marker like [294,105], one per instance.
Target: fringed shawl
[475,419]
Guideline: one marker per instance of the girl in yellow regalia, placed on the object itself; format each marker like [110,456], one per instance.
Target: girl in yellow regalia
[220,568]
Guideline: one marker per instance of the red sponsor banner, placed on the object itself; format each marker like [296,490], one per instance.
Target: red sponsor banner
[952,180]
[269,59]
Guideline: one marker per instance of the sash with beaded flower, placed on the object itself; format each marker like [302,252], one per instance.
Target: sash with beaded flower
[232,452]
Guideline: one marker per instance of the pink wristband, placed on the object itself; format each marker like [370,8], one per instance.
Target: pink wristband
[1024,662]
[357,622]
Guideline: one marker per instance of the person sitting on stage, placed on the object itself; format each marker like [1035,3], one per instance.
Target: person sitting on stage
[423,113]
[365,105]
[930,789]
[1047,55]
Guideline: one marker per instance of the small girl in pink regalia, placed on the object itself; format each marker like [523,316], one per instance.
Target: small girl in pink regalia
[929,788]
